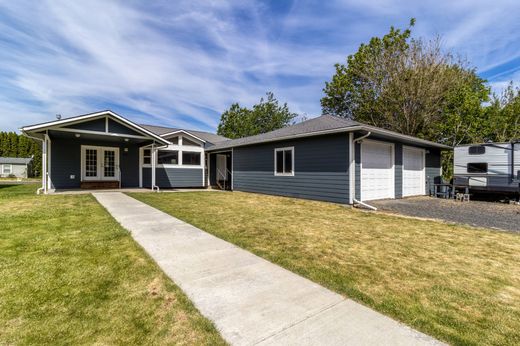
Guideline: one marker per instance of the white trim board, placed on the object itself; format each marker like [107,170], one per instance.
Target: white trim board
[85,117]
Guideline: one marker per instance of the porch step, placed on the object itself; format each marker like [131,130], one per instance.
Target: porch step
[99,185]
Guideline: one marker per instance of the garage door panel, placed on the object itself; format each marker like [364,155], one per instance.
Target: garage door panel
[377,171]
[414,179]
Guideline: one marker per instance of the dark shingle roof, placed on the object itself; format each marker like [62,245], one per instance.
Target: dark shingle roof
[16,160]
[207,136]
[319,124]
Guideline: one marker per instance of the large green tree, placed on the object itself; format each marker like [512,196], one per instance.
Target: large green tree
[410,86]
[265,116]
[503,115]
[14,145]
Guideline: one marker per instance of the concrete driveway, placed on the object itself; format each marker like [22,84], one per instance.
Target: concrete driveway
[250,300]
[474,213]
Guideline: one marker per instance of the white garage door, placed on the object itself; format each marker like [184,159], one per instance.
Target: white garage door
[413,172]
[377,170]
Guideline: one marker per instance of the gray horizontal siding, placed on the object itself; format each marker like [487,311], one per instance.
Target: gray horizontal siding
[433,169]
[173,177]
[115,127]
[66,161]
[93,125]
[398,170]
[320,166]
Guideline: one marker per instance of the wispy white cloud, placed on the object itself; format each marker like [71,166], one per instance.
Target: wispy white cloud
[183,63]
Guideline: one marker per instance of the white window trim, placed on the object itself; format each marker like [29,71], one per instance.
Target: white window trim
[174,147]
[10,168]
[276,150]
[100,176]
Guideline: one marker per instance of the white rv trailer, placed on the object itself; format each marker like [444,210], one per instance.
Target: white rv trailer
[488,167]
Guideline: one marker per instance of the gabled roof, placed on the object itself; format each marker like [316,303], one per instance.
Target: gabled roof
[91,116]
[324,124]
[16,160]
[205,136]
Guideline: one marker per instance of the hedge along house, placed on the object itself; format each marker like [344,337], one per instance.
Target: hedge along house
[326,158]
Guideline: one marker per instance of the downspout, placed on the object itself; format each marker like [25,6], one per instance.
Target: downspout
[368,206]
[44,182]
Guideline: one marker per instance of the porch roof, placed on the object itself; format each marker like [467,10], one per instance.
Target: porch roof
[61,127]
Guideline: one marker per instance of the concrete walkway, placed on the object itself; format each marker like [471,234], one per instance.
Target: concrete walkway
[250,300]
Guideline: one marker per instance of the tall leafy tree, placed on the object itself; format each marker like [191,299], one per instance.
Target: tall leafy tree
[503,115]
[407,85]
[14,145]
[265,116]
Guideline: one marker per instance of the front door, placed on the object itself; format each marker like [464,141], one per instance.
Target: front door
[100,163]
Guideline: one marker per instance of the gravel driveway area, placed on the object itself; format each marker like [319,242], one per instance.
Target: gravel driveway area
[474,213]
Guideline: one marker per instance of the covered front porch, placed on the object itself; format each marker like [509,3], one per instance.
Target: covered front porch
[95,151]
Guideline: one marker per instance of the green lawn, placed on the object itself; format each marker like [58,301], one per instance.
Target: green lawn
[458,284]
[71,275]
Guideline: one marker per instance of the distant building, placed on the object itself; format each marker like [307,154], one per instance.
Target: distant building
[19,167]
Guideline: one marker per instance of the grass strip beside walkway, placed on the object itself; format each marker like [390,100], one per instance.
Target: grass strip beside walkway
[72,275]
[458,284]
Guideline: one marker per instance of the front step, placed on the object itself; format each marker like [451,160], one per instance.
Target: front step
[92,185]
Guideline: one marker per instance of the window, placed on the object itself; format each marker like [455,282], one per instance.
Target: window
[190,158]
[477,167]
[284,161]
[91,162]
[147,156]
[168,157]
[174,140]
[186,141]
[7,169]
[477,150]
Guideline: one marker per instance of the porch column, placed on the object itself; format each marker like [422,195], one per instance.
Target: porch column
[44,165]
[153,158]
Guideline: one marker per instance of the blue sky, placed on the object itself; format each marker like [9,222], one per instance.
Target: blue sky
[181,63]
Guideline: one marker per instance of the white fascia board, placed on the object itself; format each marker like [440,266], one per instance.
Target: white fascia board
[184,132]
[85,117]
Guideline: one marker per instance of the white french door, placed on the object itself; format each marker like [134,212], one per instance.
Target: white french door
[99,163]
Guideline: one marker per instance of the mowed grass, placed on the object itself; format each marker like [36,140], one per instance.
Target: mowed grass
[69,274]
[458,284]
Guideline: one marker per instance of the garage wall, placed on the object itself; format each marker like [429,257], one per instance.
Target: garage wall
[398,170]
[433,169]
[320,166]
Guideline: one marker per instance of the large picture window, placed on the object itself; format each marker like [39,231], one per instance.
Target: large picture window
[191,158]
[284,161]
[165,157]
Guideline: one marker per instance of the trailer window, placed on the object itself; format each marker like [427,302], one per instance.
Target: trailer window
[477,150]
[477,167]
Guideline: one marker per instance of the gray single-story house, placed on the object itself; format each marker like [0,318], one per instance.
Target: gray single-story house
[18,167]
[325,158]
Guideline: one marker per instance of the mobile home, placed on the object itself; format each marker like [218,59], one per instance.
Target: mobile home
[488,167]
